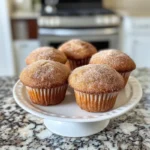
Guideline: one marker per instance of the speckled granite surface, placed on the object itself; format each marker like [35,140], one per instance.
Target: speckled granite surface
[20,130]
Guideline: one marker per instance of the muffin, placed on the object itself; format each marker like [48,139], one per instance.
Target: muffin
[45,82]
[96,87]
[46,53]
[78,52]
[116,59]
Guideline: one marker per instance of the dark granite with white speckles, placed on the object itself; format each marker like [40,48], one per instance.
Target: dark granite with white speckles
[20,130]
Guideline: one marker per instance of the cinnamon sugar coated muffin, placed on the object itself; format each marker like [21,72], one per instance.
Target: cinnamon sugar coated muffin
[46,53]
[96,87]
[116,59]
[45,81]
[78,52]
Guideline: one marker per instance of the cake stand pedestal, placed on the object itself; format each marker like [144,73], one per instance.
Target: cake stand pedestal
[75,129]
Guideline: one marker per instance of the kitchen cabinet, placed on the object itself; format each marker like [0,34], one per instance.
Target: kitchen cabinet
[7,67]
[135,39]
[22,48]
[140,51]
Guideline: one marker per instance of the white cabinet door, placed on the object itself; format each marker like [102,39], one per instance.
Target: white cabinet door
[140,51]
[22,50]
[6,52]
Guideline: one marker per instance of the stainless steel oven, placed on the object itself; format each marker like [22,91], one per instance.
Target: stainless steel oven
[61,21]
[100,37]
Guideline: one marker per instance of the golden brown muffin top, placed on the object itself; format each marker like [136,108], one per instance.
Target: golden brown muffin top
[115,59]
[44,74]
[96,78]
[77,49]
[47,53]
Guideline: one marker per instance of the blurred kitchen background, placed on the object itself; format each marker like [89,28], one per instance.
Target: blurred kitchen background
[28,24]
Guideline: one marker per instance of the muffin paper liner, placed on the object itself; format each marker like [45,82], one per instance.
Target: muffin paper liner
[51,96]
[125,75]
[96,102]
[77,63]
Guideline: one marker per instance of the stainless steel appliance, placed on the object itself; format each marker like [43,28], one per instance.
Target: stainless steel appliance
[62,20]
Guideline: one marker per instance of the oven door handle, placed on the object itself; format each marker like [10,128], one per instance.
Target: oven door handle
[77,32]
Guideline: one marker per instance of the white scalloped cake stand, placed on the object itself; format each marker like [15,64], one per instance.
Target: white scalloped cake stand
[67,119]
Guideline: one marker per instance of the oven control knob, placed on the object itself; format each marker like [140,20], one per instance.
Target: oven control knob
[115,19]
[106,20]
[55,21]
[51,22]
[99,20]
[47,22]
[41,22]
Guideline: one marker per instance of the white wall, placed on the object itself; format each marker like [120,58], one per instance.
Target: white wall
[6,51]
[131,5]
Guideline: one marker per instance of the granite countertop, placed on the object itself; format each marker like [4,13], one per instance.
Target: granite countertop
[20,130]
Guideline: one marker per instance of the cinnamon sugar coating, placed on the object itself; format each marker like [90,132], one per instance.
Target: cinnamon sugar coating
[46,53]
[45,74]
[114,58]
[77,49]
[96,78]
